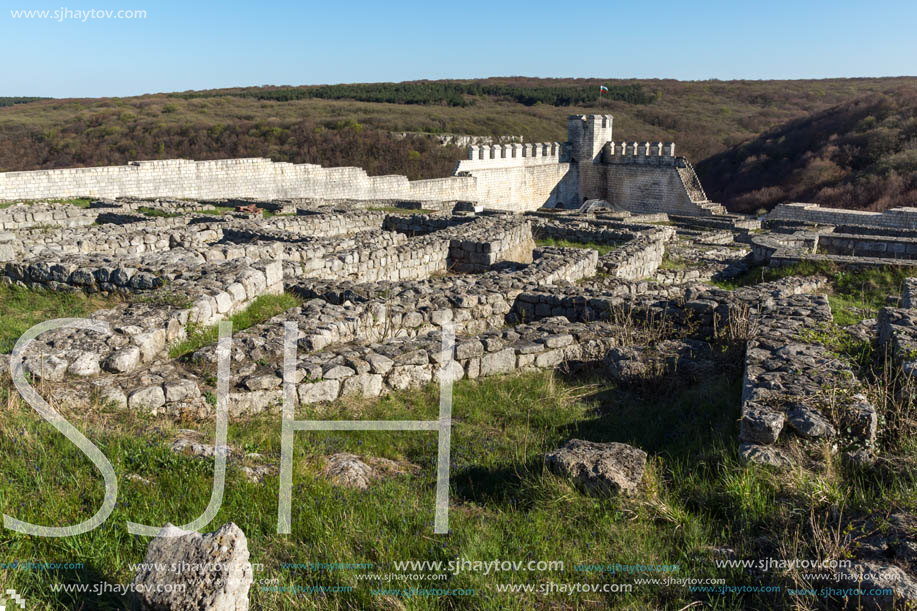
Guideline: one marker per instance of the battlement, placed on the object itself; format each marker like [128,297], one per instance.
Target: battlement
[598,121]
[488,156]
[641,153]
[586,135]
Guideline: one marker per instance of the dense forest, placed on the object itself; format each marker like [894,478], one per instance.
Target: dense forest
[846,142]
[441,92]
[18,100]
[860,154]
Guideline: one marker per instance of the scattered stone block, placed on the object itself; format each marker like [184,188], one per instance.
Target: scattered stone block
[599,468]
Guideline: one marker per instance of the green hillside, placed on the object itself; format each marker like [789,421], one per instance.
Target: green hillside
[354,124]
[860,154]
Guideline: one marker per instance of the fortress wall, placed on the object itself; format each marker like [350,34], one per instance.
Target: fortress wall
[451,188]
[640,153]
[224,178]
[524,188]
[644,188]
[490,156]
[520,177]
[900,218]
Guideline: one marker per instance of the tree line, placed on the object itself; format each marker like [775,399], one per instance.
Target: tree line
[440,93]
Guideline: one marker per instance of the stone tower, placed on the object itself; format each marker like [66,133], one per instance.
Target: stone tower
[587,134]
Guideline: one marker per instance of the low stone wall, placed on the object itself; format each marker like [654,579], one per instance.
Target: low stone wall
[152,236]
[900,218]
[780,259]
[792,384]
[22,216]
[898,330]
[440,206]
[341,312]
[885,247]
[909,293]
[402,363]
[639,258]
[766,246]
[730,222]
[475,247]
[584,232]
[411,260]
[600,215]
[142,331]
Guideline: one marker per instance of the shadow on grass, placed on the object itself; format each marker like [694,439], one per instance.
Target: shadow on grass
[39,589]
[682,423]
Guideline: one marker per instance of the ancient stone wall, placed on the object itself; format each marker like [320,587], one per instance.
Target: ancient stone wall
[648,188]
[512,177]
[901,218]
[639,258]
[23,216]
[523,188]
[251,177]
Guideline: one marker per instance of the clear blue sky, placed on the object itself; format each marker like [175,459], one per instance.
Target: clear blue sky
[198,45]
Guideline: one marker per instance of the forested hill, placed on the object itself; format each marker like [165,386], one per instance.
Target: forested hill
[860,154]
[356,124]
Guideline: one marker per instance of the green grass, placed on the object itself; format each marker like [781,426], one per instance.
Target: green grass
[157,213]
[603,249]
[855,293]
[22,308]
[260,310]
[504,503]
[672,263]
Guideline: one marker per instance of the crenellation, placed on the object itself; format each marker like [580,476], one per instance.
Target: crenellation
[514,176]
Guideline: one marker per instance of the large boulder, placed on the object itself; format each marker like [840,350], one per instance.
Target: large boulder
[349,471]
[189,571]
[599,468]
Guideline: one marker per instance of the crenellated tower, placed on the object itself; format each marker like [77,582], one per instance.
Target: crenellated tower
[586,137]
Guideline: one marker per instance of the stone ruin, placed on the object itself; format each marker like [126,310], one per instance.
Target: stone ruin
[379,278]
[376,286]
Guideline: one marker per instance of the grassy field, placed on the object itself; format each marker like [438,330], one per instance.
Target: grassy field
[697,500]
[21,308]
[854,294]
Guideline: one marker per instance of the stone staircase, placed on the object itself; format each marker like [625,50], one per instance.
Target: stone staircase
[711,208]
[695,191]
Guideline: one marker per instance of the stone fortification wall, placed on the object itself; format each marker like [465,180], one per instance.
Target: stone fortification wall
[900,218]
[225,178]
[519,177]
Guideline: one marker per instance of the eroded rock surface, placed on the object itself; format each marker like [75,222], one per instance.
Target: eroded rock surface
[599,468]
[205,571]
